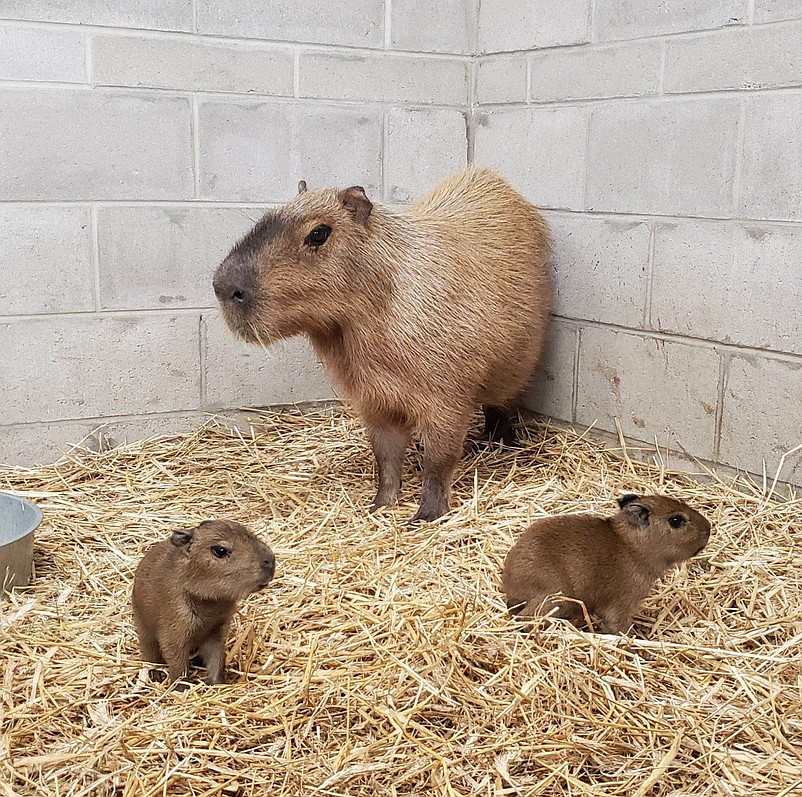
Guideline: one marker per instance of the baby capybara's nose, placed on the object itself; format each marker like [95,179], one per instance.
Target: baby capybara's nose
[269,565]
[229,284]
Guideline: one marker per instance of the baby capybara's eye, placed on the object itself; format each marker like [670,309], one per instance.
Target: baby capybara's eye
[318,236]
[675,521]
[220,551]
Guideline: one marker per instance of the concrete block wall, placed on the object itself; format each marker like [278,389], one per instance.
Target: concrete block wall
[664,141]
[139,139]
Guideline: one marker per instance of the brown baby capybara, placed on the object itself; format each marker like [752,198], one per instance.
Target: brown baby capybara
[187,588]
[610,564]
[420,314]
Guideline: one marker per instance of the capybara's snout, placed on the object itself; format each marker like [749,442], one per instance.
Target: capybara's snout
[233,282]
[268,567]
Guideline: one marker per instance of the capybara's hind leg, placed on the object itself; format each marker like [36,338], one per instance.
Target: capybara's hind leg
[389,444]
[562,610]
[441,452]
[498,426]
[614,620]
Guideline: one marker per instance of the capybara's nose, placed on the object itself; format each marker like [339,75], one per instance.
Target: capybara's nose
[269,565]
[229,286]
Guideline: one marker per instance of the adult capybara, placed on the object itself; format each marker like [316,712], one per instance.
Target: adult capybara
[187,588]
[610,564]
[420,313]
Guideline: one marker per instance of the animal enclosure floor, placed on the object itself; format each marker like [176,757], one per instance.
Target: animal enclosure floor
[381,660]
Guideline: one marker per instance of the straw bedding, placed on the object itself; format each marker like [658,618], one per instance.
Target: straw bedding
[381,660]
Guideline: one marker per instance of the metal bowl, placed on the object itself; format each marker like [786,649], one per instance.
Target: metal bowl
[19,518]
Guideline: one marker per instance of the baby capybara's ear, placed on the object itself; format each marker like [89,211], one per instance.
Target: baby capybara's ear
[627,499]
[182,539]
[637,514]
[302,186]
[356,201]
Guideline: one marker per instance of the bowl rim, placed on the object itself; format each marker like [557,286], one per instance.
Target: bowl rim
[37,516]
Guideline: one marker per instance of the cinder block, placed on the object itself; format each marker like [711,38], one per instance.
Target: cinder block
[258,151]
[46,257]
[762,415]
[42,54]
[600,268]
[383,78]
[358,23]
[663,156]
[441,27]
[656,388]
[631,19]
[775,10]
[506,25]
[540,151]
[152,257]
[739,58]
[241,375]
[88,366]
[37,444]
[191,65]
[746,287]
[57,144]
[147,14]
[552,389]
[771,177]
[423,146]
[622,70]
[501,79]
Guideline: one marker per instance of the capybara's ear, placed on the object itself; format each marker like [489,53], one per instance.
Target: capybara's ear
[357,202]
[182,539]
[302,186]
[637,514]
[627,499]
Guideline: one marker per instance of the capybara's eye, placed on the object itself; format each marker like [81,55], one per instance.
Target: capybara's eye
[318,236]
[675,521]
[220,551]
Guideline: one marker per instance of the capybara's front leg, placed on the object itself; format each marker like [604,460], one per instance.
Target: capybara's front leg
[149,645]
[213,652]
[389,444]
[176,654]
[441,452]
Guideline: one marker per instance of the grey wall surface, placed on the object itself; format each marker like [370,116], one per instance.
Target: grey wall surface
[665,142]
[138,139]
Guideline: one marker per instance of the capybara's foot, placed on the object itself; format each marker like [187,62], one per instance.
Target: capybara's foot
[157,676]
[180,686]
[215,678]
[429,511]
[383,498]
[499,428]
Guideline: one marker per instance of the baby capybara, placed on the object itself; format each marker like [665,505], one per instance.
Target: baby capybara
[186,589]
[420,314]
[610,564]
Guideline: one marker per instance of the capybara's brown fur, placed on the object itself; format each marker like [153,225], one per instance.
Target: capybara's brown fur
[610,564]
[186,589]
[421,314]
